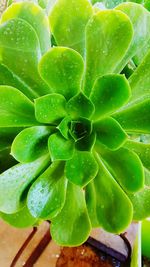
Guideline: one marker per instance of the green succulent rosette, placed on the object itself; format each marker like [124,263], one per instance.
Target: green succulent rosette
[74,110]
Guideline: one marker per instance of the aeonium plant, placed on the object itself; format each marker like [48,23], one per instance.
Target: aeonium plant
[74,108]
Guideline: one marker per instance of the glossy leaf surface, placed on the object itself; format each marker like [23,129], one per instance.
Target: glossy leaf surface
[50,108]
[109,93]
[81,168]
[31,143]
[135,118]
[112,207]
[47,195]
[60,148]
[70,227]
[35,16]
[109,133]
[140,80]
[140,19]
[131,178]
[20,219]
[142,150]
[15,181]
[70,17]
[106,44]
[16,110]
[62,69]
[17,37]
[80,106]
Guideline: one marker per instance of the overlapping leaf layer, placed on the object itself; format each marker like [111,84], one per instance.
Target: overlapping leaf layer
[73,117]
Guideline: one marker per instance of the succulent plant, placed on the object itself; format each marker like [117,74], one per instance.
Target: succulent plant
[74,111]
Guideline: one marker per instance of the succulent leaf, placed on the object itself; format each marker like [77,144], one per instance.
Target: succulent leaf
[109,93]
[69,227]
[106,44]
[47,195]
[62,69]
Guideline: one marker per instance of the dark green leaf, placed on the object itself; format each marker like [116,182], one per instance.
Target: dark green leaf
[109,93]
[80,106]
[47,195]
[135,118]
[62,69]
[112,207]
[106,44]
[72,226]
[50,108]
[82,168]
[68,20]
[15,181]
[31,143]
[109,133]
[86,143]
[60,148]
[16,110]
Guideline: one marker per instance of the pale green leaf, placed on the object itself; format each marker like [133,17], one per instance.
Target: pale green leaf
[108,36]
[50,108]
[68,20]
[62,69]
[15,182]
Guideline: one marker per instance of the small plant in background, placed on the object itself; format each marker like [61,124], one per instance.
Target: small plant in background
[73,117]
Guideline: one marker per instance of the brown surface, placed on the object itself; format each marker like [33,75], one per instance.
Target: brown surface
[83,256]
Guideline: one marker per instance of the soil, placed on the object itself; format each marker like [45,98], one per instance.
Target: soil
[86,256]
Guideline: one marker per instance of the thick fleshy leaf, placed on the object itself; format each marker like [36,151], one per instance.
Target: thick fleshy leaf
[140,80]
[16,110]
[62,69]
[20,52]
[50,108]
[126,167]
[15,182]
[140,19]
[8,78]
[80,106]
[109,133]
[106,44]
[68,20]
[47,195]
[142,150]
[63,127]
[80,128]
[82,168]
[109,93]
[35,16]
[31,143]
[72,225]
[86,143]
[91,202]
[135,118]
[112,207]
[60,148]
[20,219]
[141,204]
